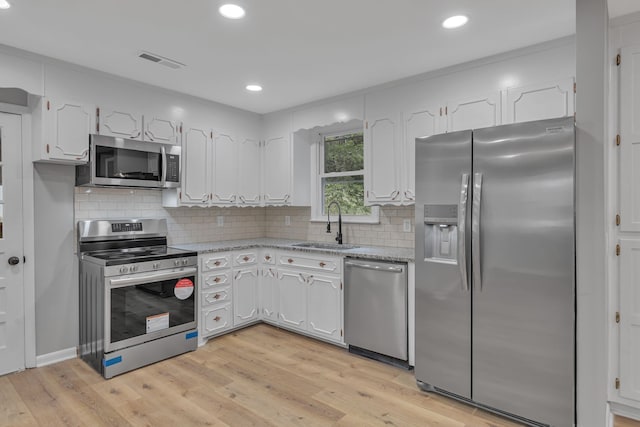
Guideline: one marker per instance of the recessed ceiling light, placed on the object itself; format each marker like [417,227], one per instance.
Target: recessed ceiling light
[455,21]
[4,4]
[231,11]
[254,88]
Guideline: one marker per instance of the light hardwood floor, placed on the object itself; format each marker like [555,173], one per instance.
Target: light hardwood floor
[259,376]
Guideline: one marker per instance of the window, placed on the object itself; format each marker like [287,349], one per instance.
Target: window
[341,177]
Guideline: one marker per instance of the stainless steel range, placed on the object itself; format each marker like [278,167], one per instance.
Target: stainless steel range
[137,296]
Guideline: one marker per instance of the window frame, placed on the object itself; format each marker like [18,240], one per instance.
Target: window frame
[317,171]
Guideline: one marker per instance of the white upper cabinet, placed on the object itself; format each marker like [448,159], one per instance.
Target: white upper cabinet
[197,146]
[64,128]
[225,166]
[630,139]
[277,170]
[119,123]
[330,113]
[418,122]
[157,129]
[539,101]
[473,112]
[382,156]
[249,171]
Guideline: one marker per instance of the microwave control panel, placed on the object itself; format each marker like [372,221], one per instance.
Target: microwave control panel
[173,168]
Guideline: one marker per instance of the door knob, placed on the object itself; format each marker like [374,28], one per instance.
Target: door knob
[14,260]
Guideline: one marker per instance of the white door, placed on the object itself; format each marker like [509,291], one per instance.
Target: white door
[11,250]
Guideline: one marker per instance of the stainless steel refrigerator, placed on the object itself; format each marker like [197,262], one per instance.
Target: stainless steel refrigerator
[495,269]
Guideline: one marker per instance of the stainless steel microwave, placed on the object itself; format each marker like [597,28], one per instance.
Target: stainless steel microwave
[119,162]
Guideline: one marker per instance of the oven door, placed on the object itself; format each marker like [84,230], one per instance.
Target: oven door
[146,306]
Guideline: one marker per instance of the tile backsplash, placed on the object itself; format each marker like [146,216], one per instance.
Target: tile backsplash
[198,225]
[389,232]
[186,225]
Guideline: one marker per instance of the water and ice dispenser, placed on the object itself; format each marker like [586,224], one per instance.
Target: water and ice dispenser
[441,233]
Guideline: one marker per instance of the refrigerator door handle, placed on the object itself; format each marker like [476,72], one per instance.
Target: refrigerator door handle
[475,231]
[462,226]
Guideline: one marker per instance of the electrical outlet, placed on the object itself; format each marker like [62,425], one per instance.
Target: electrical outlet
[406,225]
[220,219]
[287,220]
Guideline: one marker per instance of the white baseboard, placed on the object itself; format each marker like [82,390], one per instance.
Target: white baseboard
[56,356]
[625,411]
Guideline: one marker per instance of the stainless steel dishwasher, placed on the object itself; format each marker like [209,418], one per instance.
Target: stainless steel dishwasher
[376,309]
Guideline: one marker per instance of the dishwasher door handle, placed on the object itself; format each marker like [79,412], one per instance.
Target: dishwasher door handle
[375,267]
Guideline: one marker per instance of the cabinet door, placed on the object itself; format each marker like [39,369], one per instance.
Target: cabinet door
[277,171]
[382,159]
[119,123]
[225,164]
[473,113]
[269,295]
[324,308]
[417,123]
[248,172]
[196,151]
[630,139]
[245,295]
[630,318]
[540,101]
[157,129]
[292,299]
[66,130]
[216,319]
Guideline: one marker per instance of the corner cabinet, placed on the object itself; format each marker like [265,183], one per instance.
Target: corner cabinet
[62,130]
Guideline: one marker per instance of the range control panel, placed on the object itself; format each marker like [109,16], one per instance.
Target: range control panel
[123,227]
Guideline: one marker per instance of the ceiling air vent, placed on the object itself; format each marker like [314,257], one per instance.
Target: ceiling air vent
[161,60]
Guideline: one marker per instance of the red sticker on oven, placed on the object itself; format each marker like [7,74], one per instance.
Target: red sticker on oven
[183,289]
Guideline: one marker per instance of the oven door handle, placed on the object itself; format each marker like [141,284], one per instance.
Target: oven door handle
[144,278]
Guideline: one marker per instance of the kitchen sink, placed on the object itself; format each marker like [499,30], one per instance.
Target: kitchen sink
[331,246]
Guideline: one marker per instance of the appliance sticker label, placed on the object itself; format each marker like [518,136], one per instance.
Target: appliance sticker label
[157,322]
[183,289]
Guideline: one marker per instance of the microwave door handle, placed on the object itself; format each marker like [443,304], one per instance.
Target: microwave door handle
[163,154]
[145,278]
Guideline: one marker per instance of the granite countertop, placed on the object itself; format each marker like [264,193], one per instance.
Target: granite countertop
[382,253]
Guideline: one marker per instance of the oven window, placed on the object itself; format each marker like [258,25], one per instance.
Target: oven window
[122,163]
[141,309]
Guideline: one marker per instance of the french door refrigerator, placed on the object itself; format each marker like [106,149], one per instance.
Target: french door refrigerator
[495,269]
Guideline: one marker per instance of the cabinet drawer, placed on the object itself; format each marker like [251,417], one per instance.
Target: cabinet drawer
[268,257]
[216,278]
[217,295]
[245,258]
[215,262]
[216,319]
[315,263]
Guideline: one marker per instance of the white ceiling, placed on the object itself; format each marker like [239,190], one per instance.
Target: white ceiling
[299,50]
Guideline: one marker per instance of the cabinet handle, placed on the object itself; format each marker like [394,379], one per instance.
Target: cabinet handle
[148,135]
[267,257]
[217,279]
[395,195]
[216,296]
[217,263]
[322,264]
[245,259]
[290,260]
[217,318]
[47,148]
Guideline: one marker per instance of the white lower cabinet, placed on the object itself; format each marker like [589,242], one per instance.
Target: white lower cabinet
[268,292]
[324,307]
[292,299]
[215,320]
[245,295]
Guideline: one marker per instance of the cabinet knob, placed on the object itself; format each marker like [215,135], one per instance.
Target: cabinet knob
[216,296]
[290,260]
[217,263]
[217,318]
[267,257]
[322,264]
[245,259]
[217,279]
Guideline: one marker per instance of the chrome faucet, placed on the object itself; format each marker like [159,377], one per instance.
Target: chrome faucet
[339,236]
